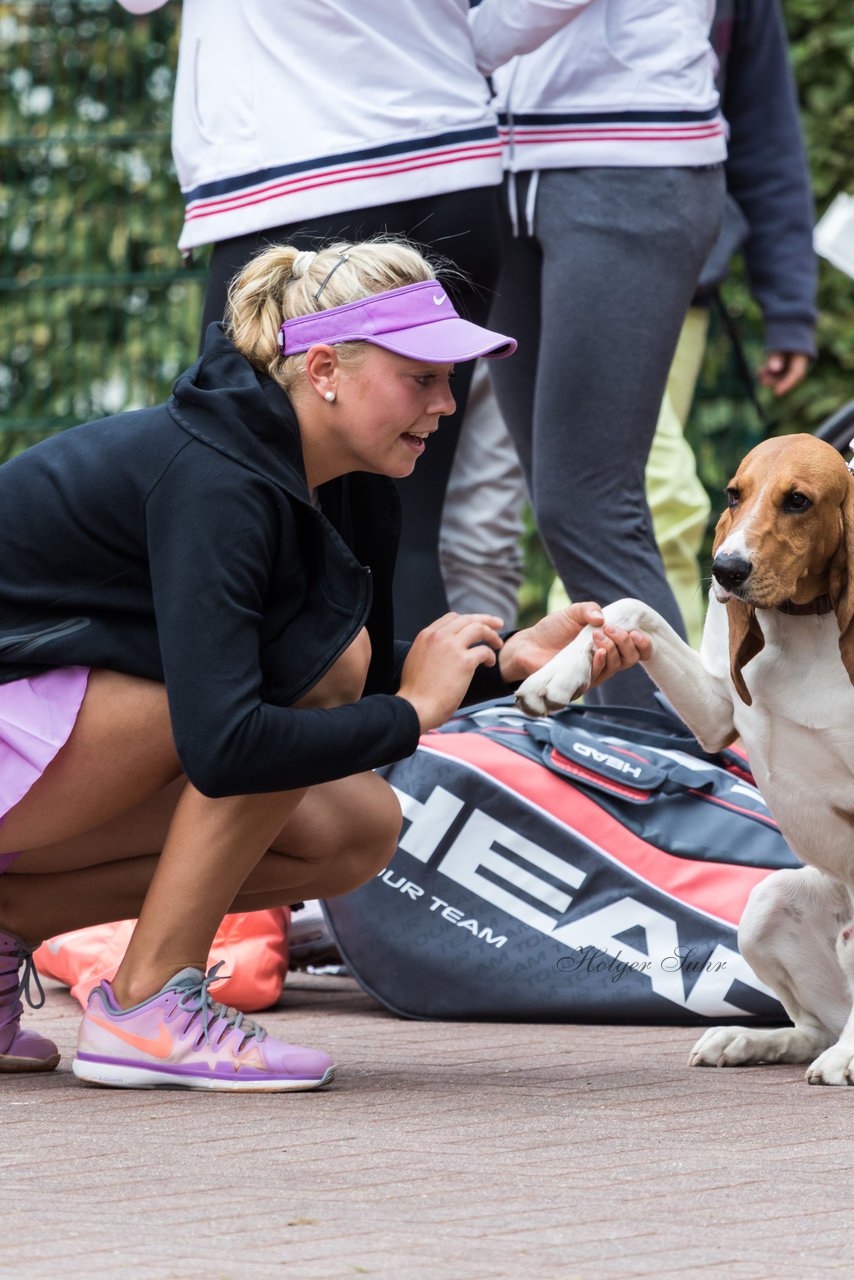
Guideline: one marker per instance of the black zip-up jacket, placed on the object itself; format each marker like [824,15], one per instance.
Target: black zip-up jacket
[179,544]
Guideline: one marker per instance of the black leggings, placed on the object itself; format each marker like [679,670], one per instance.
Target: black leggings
[464,228]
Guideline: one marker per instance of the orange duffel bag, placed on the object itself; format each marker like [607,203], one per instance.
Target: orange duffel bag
[252,944]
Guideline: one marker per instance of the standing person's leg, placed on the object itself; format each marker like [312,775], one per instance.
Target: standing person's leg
[517,307]
[622,249]
[678,502]
[680,507]
[462,227]
[482,518]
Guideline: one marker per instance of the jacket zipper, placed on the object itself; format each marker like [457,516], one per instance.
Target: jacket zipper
[512,203]
[15,645]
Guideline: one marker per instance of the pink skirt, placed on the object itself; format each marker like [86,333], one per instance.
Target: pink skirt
[36,719]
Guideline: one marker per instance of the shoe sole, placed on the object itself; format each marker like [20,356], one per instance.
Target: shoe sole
[111,1075]
[10,1064]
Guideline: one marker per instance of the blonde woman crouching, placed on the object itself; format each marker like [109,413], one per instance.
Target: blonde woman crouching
[197,665]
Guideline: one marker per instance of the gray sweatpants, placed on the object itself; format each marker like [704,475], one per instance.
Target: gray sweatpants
[479,543]
[595,291]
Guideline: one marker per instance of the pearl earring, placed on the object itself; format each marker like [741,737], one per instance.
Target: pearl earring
[330,396]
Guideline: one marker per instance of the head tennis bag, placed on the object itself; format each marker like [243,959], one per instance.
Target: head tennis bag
[592,865]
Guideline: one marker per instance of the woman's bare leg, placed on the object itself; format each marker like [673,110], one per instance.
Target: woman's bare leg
[211,848]
[108,783]
[119,753]
[353,823]
[342,833]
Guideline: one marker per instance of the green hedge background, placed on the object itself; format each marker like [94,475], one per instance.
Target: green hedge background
[98,313]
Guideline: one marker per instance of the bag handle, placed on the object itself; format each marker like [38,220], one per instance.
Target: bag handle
[653,728]
[583,758]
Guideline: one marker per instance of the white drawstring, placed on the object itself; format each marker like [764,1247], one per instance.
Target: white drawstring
[531,203]
[512,206]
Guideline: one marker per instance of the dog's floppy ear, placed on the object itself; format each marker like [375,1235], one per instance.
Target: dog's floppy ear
[745,641]
[745,634]
[842,582]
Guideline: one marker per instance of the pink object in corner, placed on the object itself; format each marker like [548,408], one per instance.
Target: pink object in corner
[253,945]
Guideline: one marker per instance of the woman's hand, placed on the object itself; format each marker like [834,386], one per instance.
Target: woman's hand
[616,650]
[443,658]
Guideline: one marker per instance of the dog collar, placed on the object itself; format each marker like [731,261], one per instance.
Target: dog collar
[821,604]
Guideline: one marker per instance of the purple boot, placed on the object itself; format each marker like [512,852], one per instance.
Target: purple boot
[20,1050]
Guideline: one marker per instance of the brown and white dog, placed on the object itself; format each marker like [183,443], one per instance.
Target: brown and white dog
[776,668]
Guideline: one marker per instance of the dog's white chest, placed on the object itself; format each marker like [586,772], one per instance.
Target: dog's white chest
[799,736]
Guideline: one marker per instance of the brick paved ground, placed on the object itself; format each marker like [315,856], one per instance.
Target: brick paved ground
[441,1152]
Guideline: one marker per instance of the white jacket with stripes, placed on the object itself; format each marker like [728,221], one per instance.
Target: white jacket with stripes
[287,110]
[625,82]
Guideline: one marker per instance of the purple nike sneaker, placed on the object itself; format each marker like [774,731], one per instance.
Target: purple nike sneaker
[21,1050]
[181,1038]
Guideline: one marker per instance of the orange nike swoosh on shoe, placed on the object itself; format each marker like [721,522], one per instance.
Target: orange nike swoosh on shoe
[159,1047]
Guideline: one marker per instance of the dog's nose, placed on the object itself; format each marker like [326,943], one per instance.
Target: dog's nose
[731,571]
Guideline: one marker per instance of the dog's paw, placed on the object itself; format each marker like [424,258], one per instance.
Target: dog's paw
[834,1066]
[556,684]
[748,1046]
[723,1047]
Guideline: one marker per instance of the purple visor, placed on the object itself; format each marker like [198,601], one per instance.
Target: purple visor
[417,321]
